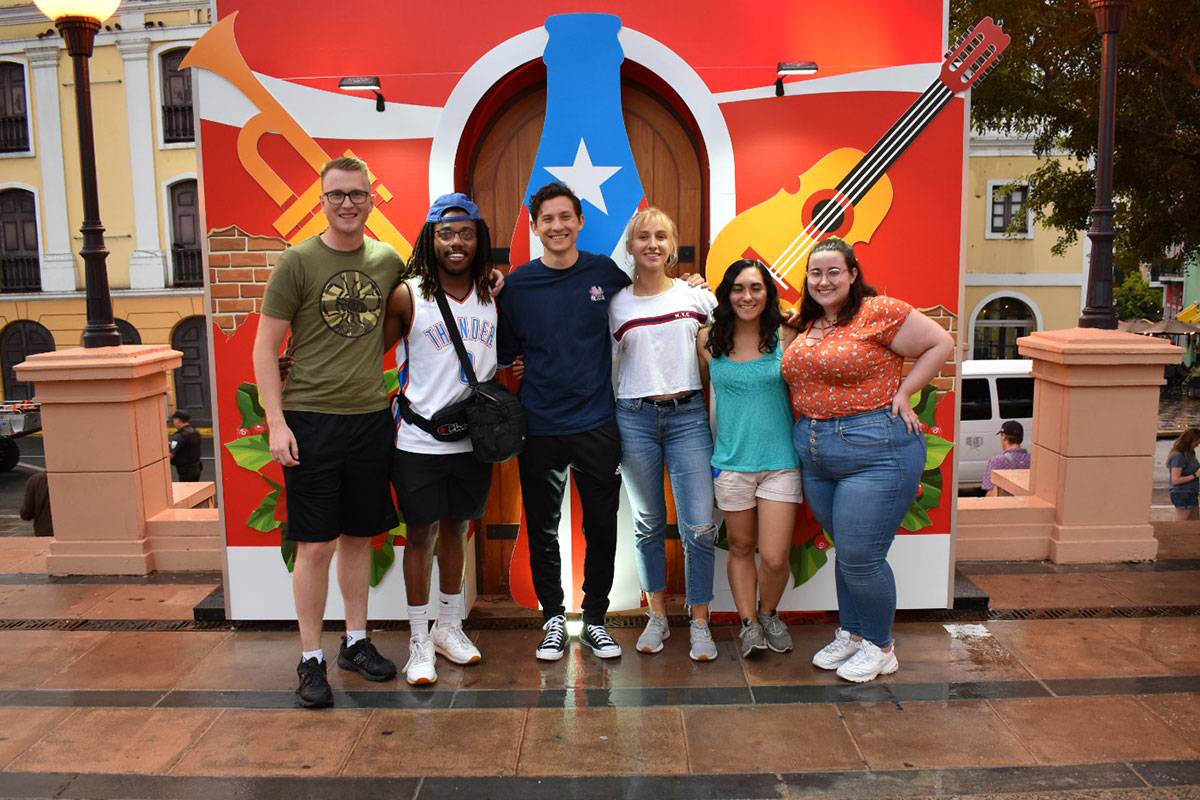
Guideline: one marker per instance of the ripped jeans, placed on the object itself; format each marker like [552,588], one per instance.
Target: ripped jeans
[677,434]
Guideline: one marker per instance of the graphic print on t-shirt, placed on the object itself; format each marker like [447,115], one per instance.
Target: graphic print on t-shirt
[351,304]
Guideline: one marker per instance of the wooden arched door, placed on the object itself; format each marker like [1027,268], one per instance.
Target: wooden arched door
[191,378]
[666,157]
[670,169]
[20,340]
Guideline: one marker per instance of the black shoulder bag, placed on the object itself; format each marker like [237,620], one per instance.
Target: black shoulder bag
[492,415]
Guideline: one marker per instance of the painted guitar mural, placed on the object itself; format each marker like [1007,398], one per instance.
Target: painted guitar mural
[847,193]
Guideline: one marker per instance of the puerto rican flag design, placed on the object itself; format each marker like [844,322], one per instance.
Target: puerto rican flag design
[584,145]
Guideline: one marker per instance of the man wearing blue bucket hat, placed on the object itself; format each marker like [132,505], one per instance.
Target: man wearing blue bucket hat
[440,485]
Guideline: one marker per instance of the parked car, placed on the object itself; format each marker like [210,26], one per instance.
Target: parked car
[992,392]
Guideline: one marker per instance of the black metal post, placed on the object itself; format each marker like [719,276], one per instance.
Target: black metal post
[79,33]
[1099,313]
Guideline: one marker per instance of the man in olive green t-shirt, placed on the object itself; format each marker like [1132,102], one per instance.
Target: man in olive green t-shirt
[330,426]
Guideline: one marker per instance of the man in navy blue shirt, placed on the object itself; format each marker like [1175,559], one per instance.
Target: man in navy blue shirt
[554,312]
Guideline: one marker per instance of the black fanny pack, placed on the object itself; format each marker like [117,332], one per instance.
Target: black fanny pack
[491,415]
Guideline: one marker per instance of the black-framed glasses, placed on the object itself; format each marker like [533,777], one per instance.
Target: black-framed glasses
[336,197]
[446,235]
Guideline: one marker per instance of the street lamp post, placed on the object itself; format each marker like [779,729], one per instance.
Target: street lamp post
[78,21]
[1099,313]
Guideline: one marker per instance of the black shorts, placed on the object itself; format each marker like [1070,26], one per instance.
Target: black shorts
[341,483]
[444,486]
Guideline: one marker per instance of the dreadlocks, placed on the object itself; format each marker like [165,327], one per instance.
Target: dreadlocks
[423,263]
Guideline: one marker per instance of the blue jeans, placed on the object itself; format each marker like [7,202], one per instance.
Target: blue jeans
[861,475]
[679,435]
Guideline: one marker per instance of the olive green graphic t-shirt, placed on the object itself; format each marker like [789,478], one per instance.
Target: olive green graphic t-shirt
[335,302]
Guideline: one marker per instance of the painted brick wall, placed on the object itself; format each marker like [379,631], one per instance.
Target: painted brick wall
[239,264]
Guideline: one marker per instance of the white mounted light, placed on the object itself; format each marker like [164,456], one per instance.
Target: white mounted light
[792,68]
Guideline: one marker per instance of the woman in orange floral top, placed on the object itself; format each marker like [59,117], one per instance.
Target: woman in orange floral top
[860,443]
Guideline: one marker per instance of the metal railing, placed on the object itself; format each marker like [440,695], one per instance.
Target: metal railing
[14,134]
[177,124]
[187,266]
[20,274]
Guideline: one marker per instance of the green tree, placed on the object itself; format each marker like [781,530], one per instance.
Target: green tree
[1047,85]
[1134,299]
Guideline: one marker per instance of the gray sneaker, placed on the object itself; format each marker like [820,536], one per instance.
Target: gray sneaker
[752,638]
[776,632]
[703,646]
[657,631]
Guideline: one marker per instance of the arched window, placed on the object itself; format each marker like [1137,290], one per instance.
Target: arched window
[186,260]
[176,98]
[999,324]
[18,341]
[20,270]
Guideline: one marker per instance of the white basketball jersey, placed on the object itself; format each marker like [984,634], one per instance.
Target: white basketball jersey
[430,372]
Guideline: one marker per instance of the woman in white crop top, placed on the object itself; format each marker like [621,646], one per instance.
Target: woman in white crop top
[663,418]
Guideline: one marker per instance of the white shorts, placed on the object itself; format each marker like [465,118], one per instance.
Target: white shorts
[738,491]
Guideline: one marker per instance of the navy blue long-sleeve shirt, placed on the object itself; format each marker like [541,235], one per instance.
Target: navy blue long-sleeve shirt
[559,319]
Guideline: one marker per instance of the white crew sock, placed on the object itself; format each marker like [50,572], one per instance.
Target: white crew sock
[449,615]
[353,637]
[319,655]
[418,621]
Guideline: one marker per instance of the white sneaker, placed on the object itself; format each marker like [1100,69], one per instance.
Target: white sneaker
[454,645]
[703,647]
[657,631]
[869,663]
[837,652]
[420,670]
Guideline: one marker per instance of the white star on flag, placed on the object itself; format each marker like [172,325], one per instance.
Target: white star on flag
[585,178]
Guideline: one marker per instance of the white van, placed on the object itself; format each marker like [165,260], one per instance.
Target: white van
[992,392]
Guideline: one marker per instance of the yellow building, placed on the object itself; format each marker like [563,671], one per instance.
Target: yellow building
[146,163]
[1015,285]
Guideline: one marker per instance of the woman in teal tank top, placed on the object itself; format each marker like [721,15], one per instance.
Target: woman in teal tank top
[755,466]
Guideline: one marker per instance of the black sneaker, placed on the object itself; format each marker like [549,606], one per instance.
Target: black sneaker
[554,643]
[313,691]
[363,658]
[597,638]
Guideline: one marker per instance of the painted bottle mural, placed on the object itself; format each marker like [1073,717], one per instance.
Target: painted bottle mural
[584,142]
[584,145]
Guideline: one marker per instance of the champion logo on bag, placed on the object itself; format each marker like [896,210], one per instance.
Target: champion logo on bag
[452,428]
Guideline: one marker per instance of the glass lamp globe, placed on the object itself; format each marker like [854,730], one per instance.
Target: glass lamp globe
[96,9]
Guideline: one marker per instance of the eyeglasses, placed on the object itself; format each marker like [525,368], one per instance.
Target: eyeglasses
[446,235]
[832,274]
[358,197]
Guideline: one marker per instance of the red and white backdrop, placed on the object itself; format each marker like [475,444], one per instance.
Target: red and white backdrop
[872,147]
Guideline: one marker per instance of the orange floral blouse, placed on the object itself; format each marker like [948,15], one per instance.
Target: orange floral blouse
[853,368]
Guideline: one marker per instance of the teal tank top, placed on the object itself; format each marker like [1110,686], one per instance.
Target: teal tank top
[754,415]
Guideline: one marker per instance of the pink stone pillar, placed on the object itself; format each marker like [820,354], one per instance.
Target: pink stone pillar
[1094,427]
[104,425]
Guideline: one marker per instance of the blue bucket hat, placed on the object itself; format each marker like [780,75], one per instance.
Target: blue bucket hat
[448,201]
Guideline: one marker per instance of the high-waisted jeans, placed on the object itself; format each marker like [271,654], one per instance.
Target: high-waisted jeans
[678,435]
[861,475]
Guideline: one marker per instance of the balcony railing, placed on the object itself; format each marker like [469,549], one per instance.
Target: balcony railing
[177,124]
[14,134]
[187,266]
[20,274]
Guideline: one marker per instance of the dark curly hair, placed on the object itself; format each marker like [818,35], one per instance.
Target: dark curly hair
[811,310]
[423,262]
[720,336]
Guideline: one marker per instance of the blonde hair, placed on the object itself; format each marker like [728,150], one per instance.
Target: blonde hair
[346,164]
[650,215]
